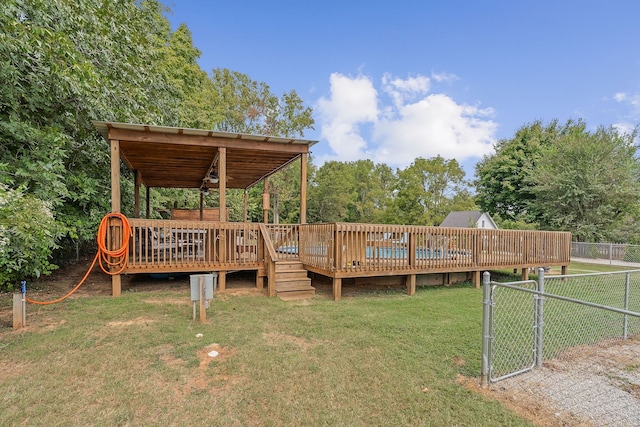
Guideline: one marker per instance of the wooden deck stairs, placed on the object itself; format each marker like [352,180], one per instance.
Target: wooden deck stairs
[292,281]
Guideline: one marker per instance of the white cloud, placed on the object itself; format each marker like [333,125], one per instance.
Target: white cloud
[402,122]
[353,102]
[632,101]
[403,90]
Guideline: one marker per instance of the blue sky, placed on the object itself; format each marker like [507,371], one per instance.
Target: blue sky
[395,80]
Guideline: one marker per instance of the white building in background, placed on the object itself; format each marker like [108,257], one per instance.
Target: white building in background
[469,219]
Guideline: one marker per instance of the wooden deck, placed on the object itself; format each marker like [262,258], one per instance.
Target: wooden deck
[337,250]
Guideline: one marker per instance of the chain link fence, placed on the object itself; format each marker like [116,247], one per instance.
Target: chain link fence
[606,251]
[565,349]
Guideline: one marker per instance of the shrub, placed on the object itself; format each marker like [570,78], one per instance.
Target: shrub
[28,234]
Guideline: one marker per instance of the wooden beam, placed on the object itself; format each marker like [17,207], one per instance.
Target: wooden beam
[222,280]
[337,289]
[246,204]
[136,193]
[115,175]
[410,282]
[303,188]
[477,279]
[206,141]
[525,274]
[148,200]
[116,283]
[222,176]
[18,312]
[265,201]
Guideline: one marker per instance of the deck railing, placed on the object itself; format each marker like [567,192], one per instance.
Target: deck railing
[339,249]
[285,239]
[370,248]
[168,245]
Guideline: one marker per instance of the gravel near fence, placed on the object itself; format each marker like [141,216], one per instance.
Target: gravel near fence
[586,385]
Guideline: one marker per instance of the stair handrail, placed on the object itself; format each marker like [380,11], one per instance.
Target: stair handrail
[270,260]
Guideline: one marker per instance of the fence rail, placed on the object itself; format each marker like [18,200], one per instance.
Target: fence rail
[552,343]
[606,251]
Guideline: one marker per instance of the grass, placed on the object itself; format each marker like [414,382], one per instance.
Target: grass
[380,358]
[375,359]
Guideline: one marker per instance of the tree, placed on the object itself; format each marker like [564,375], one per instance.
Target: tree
[564,178]
[502,183]
[428,189]
[328,194]
[241,104]
[587,183]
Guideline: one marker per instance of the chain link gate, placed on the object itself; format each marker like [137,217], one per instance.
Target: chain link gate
[568,343]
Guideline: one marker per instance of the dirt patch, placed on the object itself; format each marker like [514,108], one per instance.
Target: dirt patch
[214,381]
[278,339]
[127,323]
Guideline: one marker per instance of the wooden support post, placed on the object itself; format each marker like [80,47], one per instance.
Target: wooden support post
[222,280]
[476,279]
[525,274]
[203,303]
[19,315]
[410,281]
[222,183]
[246,204]
[148,200]
[411,248]
[337,289]
[116,281]
[303,188]
[271,278]
[265,201]
[136,193]
[259,280]
[564,269]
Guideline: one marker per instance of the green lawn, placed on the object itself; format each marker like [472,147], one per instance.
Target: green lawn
[381,358]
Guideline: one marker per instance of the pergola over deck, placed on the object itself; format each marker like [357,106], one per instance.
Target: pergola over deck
[170,157]
[201,159]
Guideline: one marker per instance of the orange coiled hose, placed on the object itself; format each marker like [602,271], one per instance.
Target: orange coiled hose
[115,260]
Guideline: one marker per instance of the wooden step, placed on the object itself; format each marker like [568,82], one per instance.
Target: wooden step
[293,285]
[297,295]
[292,281]
[288,265]
[291,274]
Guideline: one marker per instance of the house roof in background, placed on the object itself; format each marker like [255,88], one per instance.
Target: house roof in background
[461,219]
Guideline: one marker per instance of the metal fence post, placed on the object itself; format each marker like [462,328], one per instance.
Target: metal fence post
[486,328]
[625,322]
[539,317]
[610,253]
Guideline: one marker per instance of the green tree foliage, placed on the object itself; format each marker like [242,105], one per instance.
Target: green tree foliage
[240,104]
[66,63]
[356,191]
[329,193]
[28,234]
[587,183]
[502,179]
[565,178]
[428,189]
